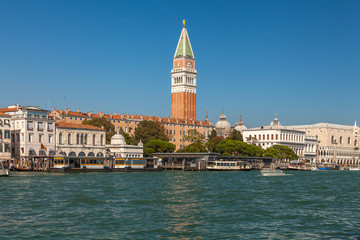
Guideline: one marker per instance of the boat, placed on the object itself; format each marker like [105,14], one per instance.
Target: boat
[271,172]
[354,169]
[79,164]
[227,166]
[4,172]
[136,165]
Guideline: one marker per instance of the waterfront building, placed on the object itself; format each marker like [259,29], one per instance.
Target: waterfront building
[73,139]
[337,144]
[175,128]
[5,130]
[32,132]
[223,127]
[119,148]
[276,134]
[183,80]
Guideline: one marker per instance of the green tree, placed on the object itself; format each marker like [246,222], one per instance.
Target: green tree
[211,143]
[212,135]
[271,152]
[194,136]
[160,146]
[285,152]
[236,135]
[150,130]
[238,148]
[196,147]
[104,123]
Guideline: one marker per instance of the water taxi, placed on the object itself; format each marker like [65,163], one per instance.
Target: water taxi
[136,165]
[271,172]
[4,172]
[222,165]
[79,164]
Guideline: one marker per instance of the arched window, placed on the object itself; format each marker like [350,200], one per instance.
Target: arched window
[332,139]
[91,154]
[349,141]
[62,153]
[81,139]
[99,154]
[102,140]
[259,137]
[60,138]
[82,154]
[94,140]
[72,154]
[69,138]
[276,137]
[77,139]
[341,140]
[85,139]
[272,136]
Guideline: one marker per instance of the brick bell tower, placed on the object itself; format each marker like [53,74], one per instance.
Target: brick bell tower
[183,80]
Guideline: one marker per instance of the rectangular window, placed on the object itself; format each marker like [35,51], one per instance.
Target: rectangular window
[50,127]
[40,126]
[1,147]
[22,137]
[174,132]
[1,134]
[50,138]
[7,134]
[41,136]
[31,137]
[30,125]
[17,137]
[7,147]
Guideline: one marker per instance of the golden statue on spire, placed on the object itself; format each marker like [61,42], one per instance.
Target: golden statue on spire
[184,22]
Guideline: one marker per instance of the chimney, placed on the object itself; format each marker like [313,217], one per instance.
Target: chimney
[90,113]
[53,108]
[78,110]
[67,111]
[115,113]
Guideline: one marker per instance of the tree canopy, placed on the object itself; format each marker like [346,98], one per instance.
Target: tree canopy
[160,146]
[195,147]
[150,130]
[102,122]
[285,152]
[231,147]
[236,135]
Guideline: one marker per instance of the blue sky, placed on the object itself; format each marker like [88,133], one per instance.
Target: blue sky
[300,59]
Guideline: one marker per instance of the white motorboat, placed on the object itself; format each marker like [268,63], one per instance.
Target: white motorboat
[271,172]
[4,172]
[354,169]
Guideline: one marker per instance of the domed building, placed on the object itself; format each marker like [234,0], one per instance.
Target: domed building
[223,127]
[119,148]
[240,126]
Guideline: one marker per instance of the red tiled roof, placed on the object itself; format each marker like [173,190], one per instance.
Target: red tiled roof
[8,109]
[77,126]
[138,117]
[4,114]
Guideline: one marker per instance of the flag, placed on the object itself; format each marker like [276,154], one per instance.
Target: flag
[43,147]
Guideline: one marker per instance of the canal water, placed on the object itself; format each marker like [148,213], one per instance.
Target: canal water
[180,205]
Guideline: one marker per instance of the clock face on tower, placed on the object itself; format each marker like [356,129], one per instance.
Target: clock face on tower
[189,65]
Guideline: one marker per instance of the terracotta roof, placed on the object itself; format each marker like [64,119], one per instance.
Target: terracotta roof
[77,126]
[4,114]
[8,109]
[138,117]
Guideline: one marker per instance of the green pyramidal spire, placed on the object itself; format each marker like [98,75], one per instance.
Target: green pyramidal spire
[184,47]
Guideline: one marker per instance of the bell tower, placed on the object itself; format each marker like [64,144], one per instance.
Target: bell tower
[183,80]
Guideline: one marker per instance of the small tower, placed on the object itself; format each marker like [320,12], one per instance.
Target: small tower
[183,80]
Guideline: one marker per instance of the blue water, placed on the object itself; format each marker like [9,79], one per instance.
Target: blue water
[180,205]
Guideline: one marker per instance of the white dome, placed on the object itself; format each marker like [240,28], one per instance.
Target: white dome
[223,127]
[240,128]
[118,139]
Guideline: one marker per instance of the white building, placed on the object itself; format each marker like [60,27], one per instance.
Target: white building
[119,148]
[5,129]
[338,144]
[74,139]
[276,134]
[32,131]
